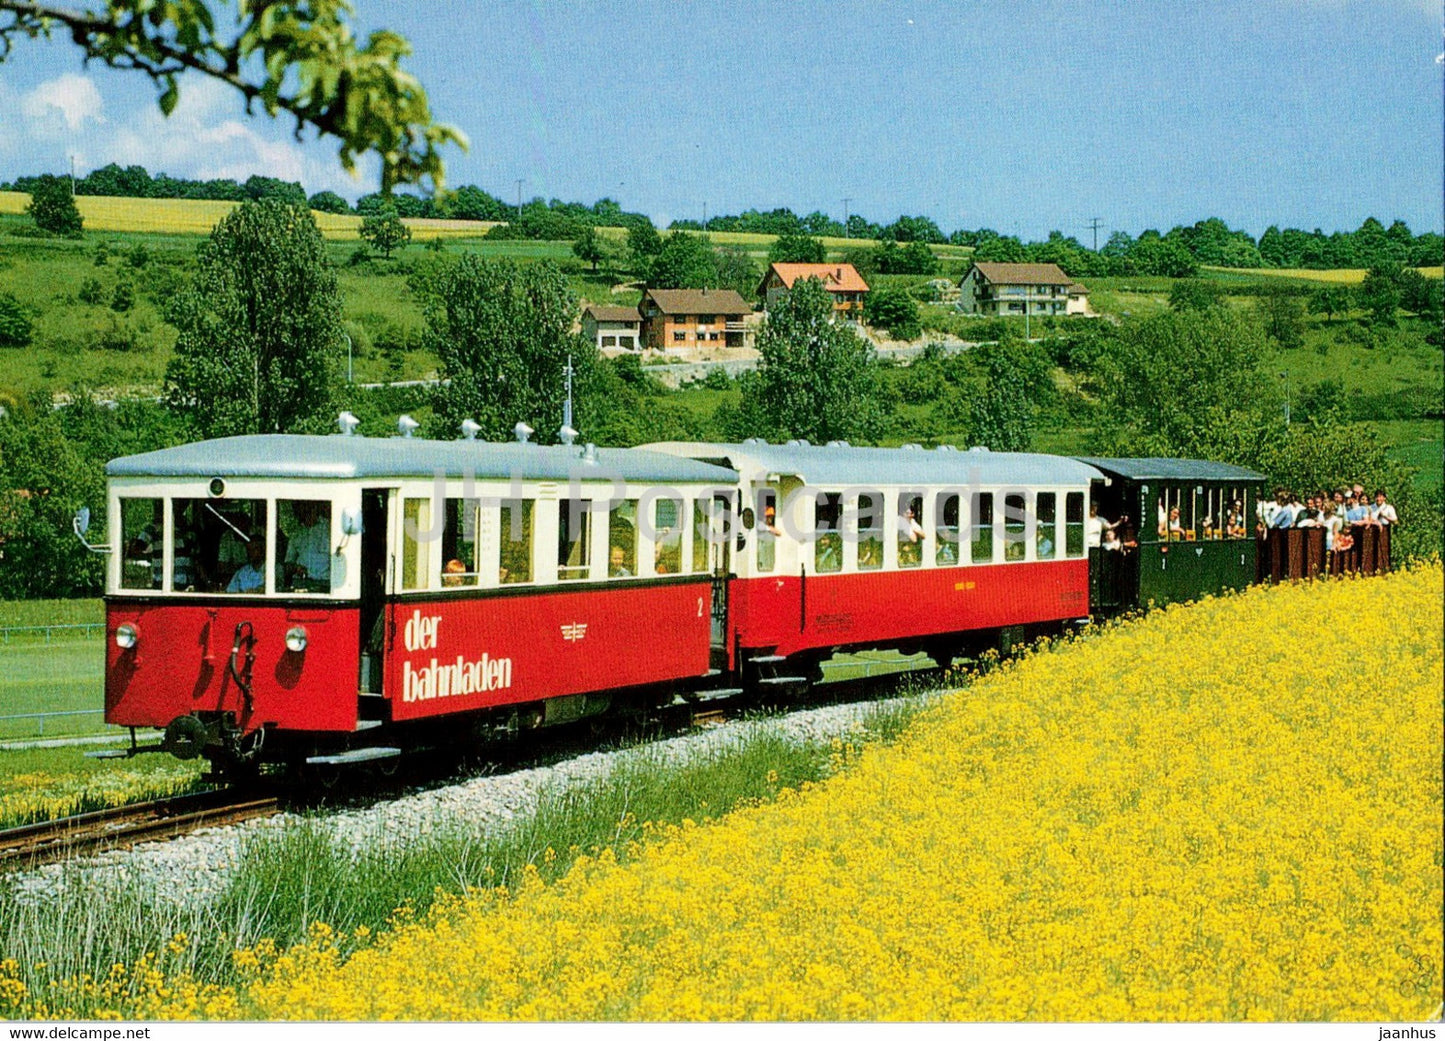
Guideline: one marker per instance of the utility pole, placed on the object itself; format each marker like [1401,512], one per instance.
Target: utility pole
[704,215]
[519,199]
[1094,224]
[72,176]
[846,201]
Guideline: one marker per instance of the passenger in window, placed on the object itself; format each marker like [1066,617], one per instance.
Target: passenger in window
[185,569]
[454,573]
[770,520]
[1174,528]
[251,577]
[308,554]
[910,538]
[1044,542]
[1109,541]
[1234,524]
[144,549]
[617,563]
[1097,527]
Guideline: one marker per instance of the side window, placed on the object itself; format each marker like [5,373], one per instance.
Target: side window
[767,529]
[699,535]
[186,531]
[980,549]
[946,528]
[1015,523]
[1074,524]
[574,543]
[305,566]
[667,528]
[910,529]
[828,549]
[622,538]
[459,543]
[415,526]
[142,534]
[515,533]
[870,532]
[1235,526]
[1045,530]
[240,565]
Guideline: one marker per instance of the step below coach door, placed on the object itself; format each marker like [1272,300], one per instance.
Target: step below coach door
[373,587]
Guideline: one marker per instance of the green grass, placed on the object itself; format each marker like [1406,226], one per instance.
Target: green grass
[287,879]
[51,612]
[63,675]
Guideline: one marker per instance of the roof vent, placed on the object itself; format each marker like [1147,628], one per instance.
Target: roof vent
[407,426]
[912,446]
[566,434]
[589,454]
[979,448]
[755,441]
[799,442]
[945,448]
[521,432]
[348,424]
[839,444]
[470,429]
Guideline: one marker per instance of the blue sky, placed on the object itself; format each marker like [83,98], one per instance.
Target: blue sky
[1020,115]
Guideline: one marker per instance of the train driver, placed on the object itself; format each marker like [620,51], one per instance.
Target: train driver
[308,554]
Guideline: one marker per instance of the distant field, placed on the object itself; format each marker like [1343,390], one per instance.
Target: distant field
[199,216]
[1343,276]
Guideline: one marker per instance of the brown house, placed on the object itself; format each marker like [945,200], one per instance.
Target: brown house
[841,280]
[1021,289]
[682,319]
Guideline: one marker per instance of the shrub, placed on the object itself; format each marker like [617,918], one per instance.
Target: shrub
[53,208]
[123,299]
[15,327]
[91,291]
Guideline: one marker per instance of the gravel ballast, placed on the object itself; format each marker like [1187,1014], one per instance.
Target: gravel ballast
[198,866]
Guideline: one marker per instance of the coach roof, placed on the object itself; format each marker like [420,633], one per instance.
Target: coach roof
[308,456]
[1172,470]
[845,465]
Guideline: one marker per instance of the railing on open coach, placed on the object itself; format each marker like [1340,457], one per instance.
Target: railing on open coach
[1295,553]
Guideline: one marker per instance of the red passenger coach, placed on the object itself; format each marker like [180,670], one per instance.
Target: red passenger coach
[330,599]
[942,551]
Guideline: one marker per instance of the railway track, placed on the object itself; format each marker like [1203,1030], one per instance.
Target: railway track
[125,826]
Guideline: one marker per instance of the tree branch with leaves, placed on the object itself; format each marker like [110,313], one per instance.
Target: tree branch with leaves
[297,57]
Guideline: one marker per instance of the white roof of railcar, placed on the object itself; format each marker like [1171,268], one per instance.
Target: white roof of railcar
[850,466]
[334,457]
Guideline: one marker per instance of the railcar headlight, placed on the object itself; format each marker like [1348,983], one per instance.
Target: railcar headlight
[126,636]
[296,638]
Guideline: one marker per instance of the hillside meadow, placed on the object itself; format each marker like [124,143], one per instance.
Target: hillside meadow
[1184,817]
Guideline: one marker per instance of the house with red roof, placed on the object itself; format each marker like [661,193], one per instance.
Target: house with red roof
[842,282]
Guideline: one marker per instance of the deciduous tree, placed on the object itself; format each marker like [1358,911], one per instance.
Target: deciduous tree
[797,249]
[384,231]
[259,330]
[587,247]
[816,378]
[503,334]
[53,207]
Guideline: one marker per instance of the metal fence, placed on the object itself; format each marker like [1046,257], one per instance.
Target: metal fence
[39,731]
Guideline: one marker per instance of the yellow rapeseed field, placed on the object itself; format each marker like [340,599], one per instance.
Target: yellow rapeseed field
[1226,811]
[1343,276]
[199,216]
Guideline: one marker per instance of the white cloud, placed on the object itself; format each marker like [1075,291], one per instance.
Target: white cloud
[208,136]
[62,105]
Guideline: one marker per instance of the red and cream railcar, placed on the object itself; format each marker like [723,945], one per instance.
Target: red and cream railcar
[939,550]
[289,597]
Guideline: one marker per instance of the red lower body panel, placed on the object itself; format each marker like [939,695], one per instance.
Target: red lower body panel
[792,613]
[450,655]
[180,665]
